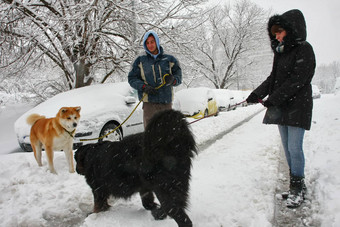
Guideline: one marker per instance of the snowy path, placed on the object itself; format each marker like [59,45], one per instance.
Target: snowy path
[234,179]
[228,187]
[321,148]
[219,134]
[301,216]
[226,180]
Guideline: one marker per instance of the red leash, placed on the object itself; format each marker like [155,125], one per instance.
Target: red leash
[260,101]
[237,104]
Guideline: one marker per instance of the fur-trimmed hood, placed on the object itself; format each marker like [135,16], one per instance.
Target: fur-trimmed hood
[154,34]
[294,23]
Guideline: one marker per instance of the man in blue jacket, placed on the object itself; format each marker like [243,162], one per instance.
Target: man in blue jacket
[147,74]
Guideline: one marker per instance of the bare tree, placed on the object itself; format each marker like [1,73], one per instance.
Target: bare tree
[228,37]
[86,40]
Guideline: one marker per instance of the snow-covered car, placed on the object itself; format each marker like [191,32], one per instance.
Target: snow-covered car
[316,92]
[196,102]
[225,99]
[103,108]
[337,86]
[240,96]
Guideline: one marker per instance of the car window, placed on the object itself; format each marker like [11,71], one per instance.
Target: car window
[133,92]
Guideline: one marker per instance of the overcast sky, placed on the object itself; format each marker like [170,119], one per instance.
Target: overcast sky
[323,23]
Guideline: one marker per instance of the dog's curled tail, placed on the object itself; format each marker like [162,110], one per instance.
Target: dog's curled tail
[31,119]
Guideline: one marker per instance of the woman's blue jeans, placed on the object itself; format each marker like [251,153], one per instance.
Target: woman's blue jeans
[292,141]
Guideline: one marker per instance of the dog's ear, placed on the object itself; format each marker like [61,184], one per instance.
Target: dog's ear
[64,110]
[78,108]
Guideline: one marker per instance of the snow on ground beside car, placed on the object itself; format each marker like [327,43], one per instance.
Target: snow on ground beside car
[8,115]
[233,180]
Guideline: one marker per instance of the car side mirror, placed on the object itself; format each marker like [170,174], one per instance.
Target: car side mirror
[130,100]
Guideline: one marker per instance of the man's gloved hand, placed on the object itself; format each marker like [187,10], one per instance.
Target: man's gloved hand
[169,79]
[267,103]
[252,98]
[149,90]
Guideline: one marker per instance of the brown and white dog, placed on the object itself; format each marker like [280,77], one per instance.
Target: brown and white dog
[54,134]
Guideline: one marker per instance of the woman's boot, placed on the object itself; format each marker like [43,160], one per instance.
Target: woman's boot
[296,192]
[285,194]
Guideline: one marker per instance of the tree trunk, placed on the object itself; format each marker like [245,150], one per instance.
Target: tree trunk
[82,74]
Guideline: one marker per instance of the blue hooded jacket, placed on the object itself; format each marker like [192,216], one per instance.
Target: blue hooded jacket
[150,69]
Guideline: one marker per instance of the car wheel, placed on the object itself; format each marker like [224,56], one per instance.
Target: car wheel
[25,148]
[114,136]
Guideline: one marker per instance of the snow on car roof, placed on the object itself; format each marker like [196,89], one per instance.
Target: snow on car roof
[191,100]
[97,102]
[95,97]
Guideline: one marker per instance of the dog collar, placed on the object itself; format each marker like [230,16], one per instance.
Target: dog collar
[70,133]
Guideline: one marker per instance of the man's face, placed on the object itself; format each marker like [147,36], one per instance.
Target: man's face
[151,45]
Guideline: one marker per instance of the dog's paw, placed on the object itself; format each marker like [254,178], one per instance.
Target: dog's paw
[53,171]
[101,207]
[158,213]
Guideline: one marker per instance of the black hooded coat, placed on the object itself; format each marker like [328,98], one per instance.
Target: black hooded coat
[289,85]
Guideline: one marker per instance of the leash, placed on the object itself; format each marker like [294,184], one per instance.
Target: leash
[140,101]
[202,118]
[232,106]
[237,104]
[261,101]
[70,133]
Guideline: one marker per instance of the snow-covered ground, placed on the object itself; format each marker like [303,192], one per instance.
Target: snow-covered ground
[233,180]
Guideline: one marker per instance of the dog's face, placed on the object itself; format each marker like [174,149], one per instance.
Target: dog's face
[69,117]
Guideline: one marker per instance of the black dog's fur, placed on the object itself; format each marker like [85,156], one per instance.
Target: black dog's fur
[157,161]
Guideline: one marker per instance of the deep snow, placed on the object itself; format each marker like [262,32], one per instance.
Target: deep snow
[233,180]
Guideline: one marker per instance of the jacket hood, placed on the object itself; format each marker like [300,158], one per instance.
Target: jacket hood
[154,34]
[294,23]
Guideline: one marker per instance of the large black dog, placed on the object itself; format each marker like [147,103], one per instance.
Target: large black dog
[157,161]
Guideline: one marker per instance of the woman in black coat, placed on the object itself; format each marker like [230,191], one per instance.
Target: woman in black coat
[289,92]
